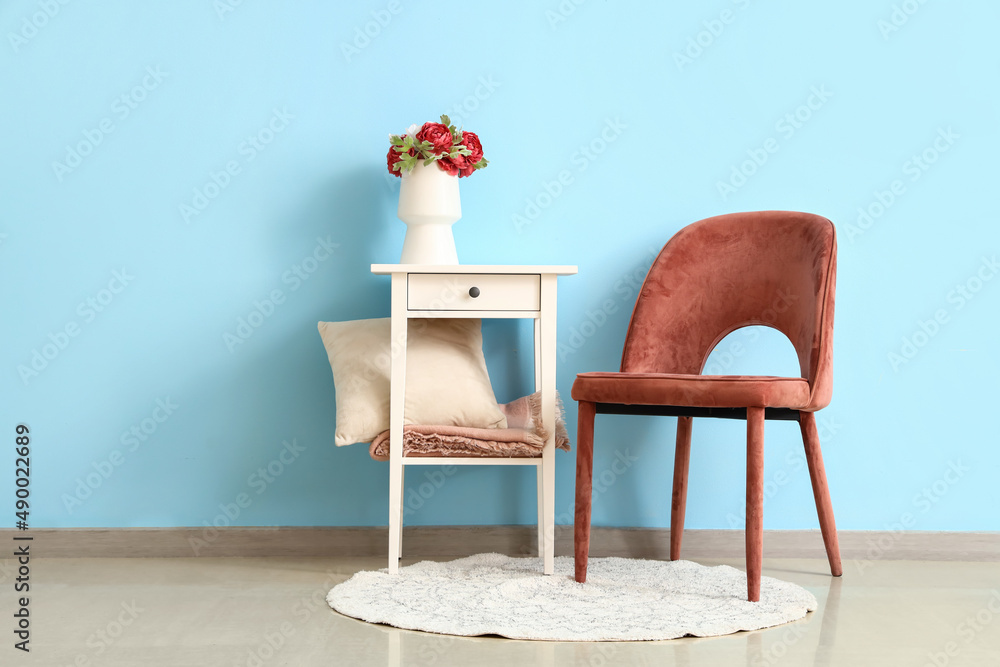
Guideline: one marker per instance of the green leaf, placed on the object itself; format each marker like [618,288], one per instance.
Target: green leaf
[446,121]
[396,140]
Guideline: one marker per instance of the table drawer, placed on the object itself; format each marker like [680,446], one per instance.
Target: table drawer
[451,291]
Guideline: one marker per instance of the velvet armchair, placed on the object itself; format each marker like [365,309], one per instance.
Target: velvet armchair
[771,268]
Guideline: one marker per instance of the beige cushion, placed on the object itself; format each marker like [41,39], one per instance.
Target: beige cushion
[446,378]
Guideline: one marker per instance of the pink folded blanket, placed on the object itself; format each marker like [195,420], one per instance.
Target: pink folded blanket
[524,436]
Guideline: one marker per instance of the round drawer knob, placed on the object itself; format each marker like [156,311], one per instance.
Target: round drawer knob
[474,292]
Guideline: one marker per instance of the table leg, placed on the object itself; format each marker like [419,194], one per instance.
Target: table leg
[397,394]
[402,507]
[539,476]
[547,348]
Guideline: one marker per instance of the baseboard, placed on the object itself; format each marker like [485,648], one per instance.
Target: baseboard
[437,541]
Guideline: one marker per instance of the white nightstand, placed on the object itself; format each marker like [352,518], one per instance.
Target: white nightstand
[477,291]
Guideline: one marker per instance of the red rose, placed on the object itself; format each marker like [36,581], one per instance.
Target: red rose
[471,141]
[391,159]
[394,156]
[452,166]
[438,135]
[467,169]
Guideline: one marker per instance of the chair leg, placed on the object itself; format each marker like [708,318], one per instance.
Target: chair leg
[584,486]
[678,502]
[755,501]
[821,492]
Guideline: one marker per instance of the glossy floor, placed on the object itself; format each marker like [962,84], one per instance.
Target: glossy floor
[259,612]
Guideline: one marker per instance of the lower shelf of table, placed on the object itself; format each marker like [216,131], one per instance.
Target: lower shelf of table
[469,461]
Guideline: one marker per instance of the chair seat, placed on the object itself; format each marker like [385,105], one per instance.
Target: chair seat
[701,391]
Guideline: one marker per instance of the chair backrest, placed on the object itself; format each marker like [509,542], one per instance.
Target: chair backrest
[772,268]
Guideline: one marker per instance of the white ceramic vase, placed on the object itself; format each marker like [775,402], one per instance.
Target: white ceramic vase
[429,205]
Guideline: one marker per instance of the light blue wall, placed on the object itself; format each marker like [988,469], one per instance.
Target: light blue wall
[540,88]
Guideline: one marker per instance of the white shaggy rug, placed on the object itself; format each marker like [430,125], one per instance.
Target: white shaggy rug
[624,599]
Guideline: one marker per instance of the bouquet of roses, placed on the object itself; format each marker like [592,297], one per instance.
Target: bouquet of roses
[454,150]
